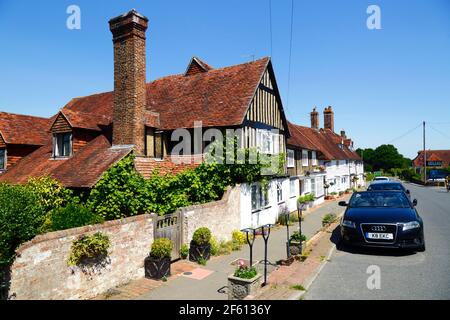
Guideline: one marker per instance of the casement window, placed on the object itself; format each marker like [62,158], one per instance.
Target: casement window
[267,141]
[292,187]
[290,158]
[319,187]
[260,197]
[279,192]
[304,158]
[313,186]
[314,158]
[2,159]
[62,145]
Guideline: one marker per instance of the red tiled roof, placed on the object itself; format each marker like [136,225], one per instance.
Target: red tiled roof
[22,129]
[82,170]
[323,140]
[433,155]
[218,98]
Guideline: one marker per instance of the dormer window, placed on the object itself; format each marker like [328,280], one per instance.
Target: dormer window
[2,159]
[62,145]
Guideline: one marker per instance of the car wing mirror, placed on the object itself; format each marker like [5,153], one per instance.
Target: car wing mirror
[414,202]
[408,192]
[343,204]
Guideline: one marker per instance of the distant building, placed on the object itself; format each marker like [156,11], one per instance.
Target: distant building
[436,161]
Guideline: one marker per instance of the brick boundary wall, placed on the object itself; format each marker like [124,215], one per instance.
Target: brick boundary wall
[40,270]
[222,217]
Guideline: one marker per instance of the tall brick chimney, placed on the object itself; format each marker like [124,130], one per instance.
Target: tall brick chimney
[328,117]
[129,79]
[314,119]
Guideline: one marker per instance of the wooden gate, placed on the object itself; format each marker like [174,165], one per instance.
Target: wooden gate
[170,226]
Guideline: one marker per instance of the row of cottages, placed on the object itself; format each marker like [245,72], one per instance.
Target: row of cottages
[321,162]
[90,134]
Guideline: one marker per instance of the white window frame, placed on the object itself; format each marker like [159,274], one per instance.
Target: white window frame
[314,158]
[259,199]
[305,162]
[56,151]
[279,192]
[292,192]
[290,158]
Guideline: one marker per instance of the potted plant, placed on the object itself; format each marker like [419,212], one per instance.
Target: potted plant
[157,264]
[200,248]
[243,282]
[296,243]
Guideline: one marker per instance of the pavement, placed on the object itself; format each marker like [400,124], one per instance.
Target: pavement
[191,281]
[403,275]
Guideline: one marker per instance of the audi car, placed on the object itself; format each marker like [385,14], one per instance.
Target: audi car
[382,219]
[388,186]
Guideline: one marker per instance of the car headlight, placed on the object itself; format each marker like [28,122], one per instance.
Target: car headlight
[348,224]
[411,225]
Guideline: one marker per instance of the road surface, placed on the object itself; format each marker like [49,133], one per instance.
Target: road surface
[403,275]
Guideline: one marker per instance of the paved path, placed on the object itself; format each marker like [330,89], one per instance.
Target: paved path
[403,276]
[218,268]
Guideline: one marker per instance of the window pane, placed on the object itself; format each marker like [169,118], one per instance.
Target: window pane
[66,145]
[2,158]
[254,197]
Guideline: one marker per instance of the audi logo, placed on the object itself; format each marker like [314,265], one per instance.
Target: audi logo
[378,228]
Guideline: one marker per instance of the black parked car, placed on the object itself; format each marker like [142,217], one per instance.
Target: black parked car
[382,219]
[388,186]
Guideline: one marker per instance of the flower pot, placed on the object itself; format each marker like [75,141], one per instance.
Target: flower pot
[157,268]
[295,248]
[239,288]
[197,252]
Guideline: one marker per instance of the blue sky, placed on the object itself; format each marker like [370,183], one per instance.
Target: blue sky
[381,83]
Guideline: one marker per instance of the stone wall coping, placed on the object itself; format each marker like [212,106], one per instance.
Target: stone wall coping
[82,230]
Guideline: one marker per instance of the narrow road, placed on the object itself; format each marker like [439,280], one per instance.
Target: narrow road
[422,275]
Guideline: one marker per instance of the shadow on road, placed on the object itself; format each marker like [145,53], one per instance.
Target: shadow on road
[341,246]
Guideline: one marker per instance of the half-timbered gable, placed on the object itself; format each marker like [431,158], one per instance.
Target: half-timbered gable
[265,117]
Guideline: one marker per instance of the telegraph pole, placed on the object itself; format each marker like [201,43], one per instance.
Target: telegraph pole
[424,157]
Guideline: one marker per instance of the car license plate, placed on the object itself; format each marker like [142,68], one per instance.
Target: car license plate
[380,236]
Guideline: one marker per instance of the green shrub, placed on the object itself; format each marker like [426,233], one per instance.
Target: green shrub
[215,246]
[225,248]
[235,246]
[328,219]
[94,246]
[51,194]
[21,216]
[72,216]
[239,237]
[297,237]
[201,261]
[161,248]
[120,192]
[245,272]
[201,236]
[184,251]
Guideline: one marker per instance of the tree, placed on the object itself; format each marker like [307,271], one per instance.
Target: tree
[384,157]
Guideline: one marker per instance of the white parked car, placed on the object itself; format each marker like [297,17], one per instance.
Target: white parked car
[381,179]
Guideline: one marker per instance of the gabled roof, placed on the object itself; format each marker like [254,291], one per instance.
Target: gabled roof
[197,66]
[23,129]
[82,170]
[327,142]
[432,155]
[218,98]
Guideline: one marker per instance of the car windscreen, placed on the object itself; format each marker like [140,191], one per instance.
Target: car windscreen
[384,199]
[386,186]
